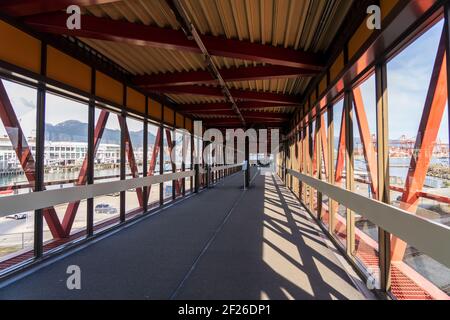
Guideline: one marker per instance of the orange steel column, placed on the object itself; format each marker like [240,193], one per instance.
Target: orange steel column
[368,147]
[433,113]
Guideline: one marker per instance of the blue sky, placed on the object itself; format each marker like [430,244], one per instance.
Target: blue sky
[409,76]
[408,79]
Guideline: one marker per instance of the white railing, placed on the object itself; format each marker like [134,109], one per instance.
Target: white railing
[427,236]
[232,166]
[49,198]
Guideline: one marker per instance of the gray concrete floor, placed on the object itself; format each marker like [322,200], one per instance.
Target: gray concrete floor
[222,244]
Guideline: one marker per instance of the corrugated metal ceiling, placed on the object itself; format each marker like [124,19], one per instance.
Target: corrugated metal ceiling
[299,24]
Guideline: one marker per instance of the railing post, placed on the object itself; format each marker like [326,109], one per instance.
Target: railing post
[194,161]
[310,162]
[447,50]
[318,164]
[90,159]
[384,237]
[247,158]
[122,168]
[39,164]
[161,160]
[183,164]
[330,154]
[145,158]
[197,177]
[349,163]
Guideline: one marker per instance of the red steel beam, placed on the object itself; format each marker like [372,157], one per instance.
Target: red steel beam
[235,74]
[341,151]
[23,153]
[269,97]
[252,114]
[139,34]
[368,147]
[223,106]
[20,8]
[131,158]
[171,146]
[323,137]
[235,122]
[152,166]
[72,208]
[314,158]
[430,123]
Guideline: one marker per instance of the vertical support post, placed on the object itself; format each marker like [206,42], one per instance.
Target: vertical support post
[206,164]
[224,150]
[197,177]
[247,158]
[123,157]
[349,163]
[145,157]
[122,169]
[291,162]
[183,158]
[171,136]
[285,163]
[330,154]
[304,159]
[192,161]
[383,175]
[40,151]
[298,142]
[447,51]
[310,161]
[91,157]
[161,156]
[318,152]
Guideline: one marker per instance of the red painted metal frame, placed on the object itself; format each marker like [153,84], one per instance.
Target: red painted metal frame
[433,113]
[341,151]
[368,147]
[249,114]
[171,146]
[269,97]
[323,137]
[23,153]
[72,208]
[223,106]
[139,34]
[236,122]
[268,72]
[153,160]
[19,8]
[131,158]
[62,230]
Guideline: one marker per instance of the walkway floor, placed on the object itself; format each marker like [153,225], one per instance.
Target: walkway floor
[225,243]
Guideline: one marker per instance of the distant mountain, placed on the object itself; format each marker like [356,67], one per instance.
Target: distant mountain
[76,131]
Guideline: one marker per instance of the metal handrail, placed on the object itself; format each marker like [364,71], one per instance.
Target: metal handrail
[45,199]
[425,235]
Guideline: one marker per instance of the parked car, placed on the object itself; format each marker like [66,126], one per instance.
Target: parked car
[17,216]
[105,208]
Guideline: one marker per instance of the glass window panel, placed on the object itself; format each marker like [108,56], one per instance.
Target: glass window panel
[17,230]
[134,198]
[107,169]
[66,131]
[406,106]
